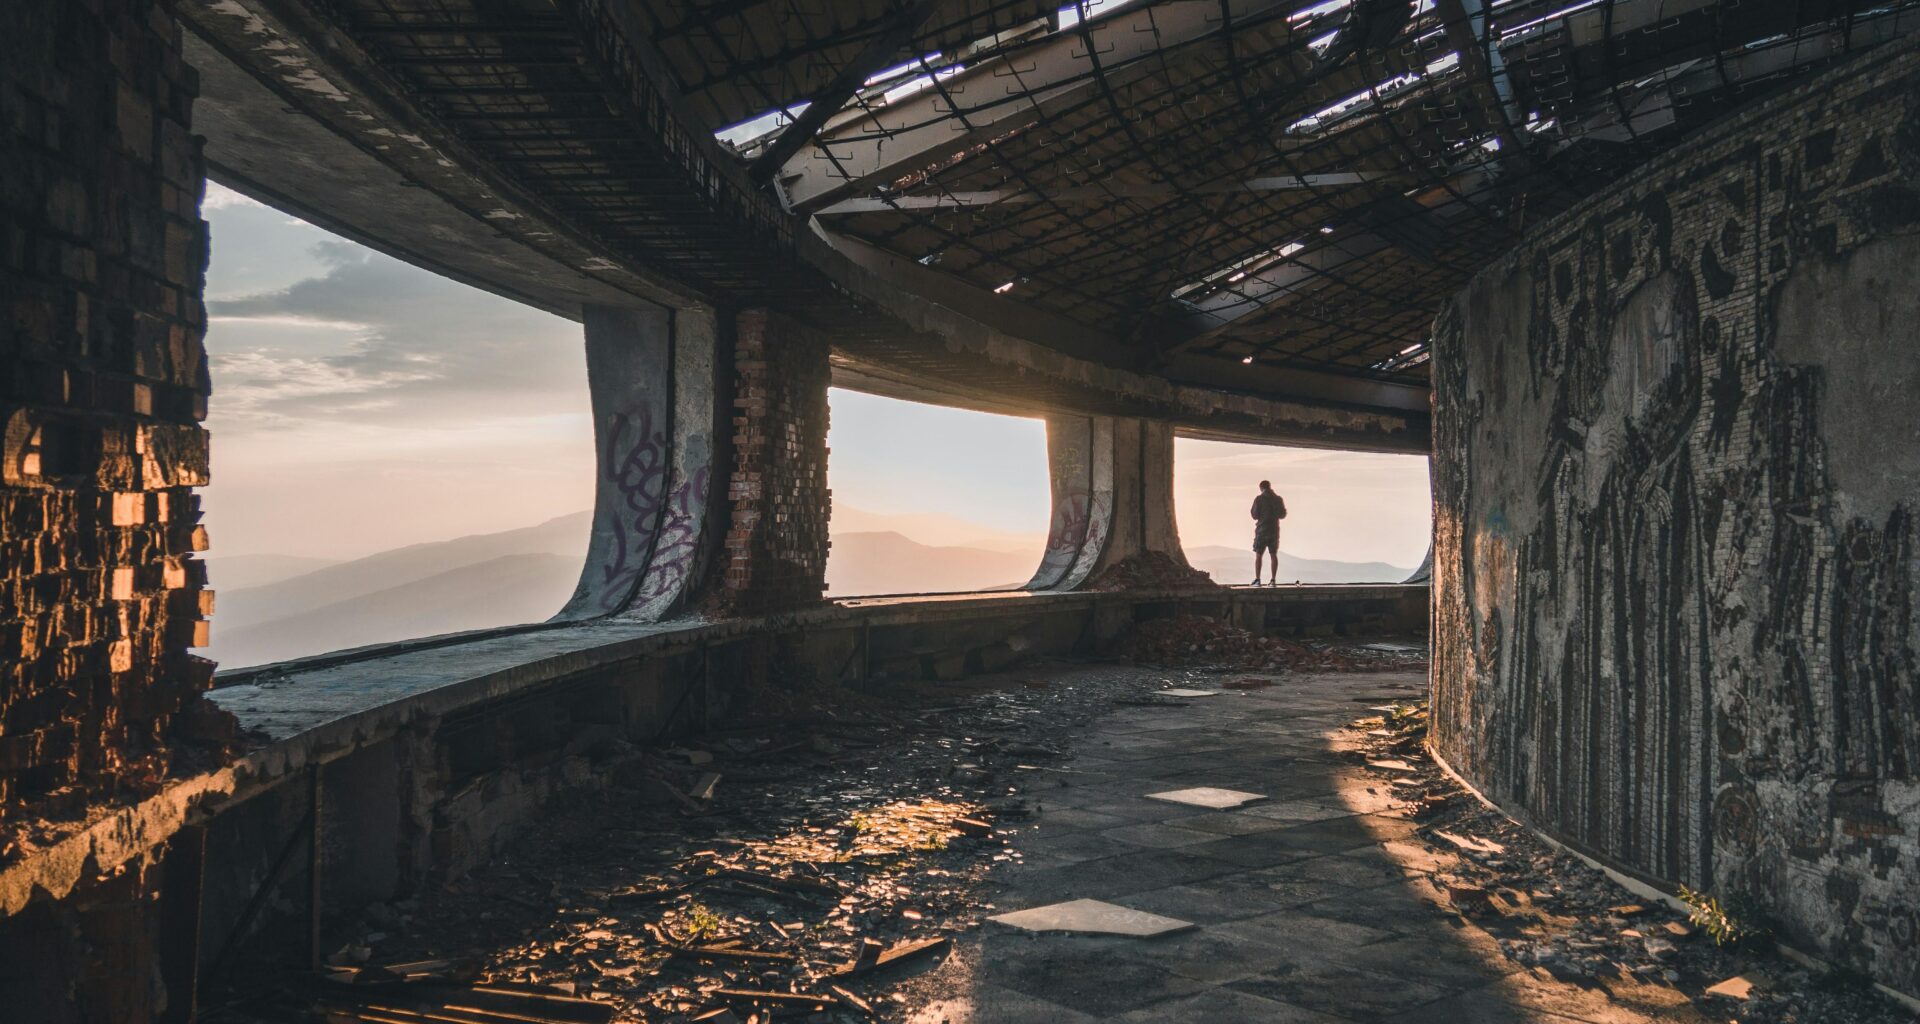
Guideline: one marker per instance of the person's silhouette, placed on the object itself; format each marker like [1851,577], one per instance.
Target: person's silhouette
[1268,510]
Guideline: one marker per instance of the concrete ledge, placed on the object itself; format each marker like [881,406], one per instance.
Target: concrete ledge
[318,710]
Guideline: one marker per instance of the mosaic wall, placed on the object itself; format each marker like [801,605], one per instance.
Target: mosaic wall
[1675,464]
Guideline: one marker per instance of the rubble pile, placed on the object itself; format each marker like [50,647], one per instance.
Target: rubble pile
[1194,640]
[1552,912]
[1149,570]
[796,867]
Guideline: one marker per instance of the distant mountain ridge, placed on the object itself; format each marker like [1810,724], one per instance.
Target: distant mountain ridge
[1229,566]
[566,535]
[525,575]
[412,591]
[242,572]
[507,590]
[892,563]
[936,529]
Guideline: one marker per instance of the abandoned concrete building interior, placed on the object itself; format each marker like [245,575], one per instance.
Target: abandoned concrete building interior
[1640,741]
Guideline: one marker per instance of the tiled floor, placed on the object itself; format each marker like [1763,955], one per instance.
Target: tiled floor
[1311,907]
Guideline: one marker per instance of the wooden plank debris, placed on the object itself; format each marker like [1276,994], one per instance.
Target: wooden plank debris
[898,954]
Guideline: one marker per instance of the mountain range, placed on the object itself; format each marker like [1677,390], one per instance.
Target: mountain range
[1230,566]
[273,607]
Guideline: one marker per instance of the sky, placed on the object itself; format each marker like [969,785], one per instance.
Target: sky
[360,404]
[1349,506]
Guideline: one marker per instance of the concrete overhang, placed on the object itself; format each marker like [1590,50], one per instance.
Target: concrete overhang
[292,118]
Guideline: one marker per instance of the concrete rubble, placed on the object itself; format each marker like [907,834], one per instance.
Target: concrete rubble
[1201,642]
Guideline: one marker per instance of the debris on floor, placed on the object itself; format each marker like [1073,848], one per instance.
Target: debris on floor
[804,861]
[1559,917]
[1151,570]
[1197,641]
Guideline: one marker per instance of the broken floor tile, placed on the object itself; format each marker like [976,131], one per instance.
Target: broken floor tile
[1208,796]
[1093,917]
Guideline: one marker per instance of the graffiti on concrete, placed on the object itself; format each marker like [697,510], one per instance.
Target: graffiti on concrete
[1070,468]
[676,547]
[637,469]
[628,353]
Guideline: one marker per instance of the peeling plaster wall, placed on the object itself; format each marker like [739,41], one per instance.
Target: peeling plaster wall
[1676,443]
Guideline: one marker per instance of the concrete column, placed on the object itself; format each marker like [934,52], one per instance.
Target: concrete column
[651,374]
[1112,486]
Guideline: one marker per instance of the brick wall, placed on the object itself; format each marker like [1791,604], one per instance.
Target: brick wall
[775,552]
[1677,499]
[103,383]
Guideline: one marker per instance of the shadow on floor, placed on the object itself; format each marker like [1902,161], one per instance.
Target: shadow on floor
[1312,905]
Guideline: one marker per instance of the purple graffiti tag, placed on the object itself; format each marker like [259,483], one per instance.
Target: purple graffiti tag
[1071,531]
[679,540]
[639,474]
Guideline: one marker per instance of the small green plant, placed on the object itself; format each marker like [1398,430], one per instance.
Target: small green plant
[1737,922]
[860,823]
[701,922]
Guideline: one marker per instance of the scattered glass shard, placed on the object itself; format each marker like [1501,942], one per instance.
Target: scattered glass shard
[1208,796]
[1094,918]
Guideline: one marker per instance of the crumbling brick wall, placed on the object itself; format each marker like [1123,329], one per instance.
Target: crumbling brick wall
[103,384]
[1676,446]
[775,552]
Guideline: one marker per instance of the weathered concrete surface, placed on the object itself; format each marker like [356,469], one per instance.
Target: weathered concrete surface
[1318,906]
[1111,481]
[1675,519]
[653,379]
[630,378]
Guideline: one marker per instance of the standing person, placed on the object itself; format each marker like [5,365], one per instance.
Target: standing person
[1268,510]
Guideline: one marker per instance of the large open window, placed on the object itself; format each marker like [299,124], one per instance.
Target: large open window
[928,499]
[1352,517]
[365,411]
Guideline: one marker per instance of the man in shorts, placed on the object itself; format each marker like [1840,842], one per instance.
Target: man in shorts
[1268,510]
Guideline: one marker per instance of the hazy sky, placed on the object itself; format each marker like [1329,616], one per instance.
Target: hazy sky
[360,403]
[902,457]
[1350,506]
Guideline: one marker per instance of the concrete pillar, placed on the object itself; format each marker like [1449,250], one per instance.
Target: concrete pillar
[652,377]
[1112,489]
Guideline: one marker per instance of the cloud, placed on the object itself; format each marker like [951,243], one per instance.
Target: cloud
[377,339]
[262,386]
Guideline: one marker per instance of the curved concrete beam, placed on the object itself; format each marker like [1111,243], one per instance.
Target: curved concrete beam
[651,374]
[313,125]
